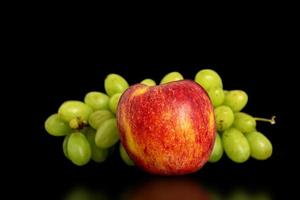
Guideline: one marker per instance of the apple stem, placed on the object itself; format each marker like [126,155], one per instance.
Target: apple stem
[272,120]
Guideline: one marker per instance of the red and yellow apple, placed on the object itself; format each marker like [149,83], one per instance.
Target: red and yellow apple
[167,129]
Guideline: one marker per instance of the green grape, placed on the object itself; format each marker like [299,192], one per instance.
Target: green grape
[208,79]
[79,149]
[107,134]
[170,77]
[125,156]
[55,126]
[235,145]
[65,146]
[217,151]
[98,155]
[98,117]
[225,92]
[97,100]
[216,96]
[244,122]
[113,102]
[74,109]
[224,117]
[236,100]
[115,83]
[261,147]
[148,82]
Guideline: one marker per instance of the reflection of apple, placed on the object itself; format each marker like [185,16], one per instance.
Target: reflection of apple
[168,189]
[167,129]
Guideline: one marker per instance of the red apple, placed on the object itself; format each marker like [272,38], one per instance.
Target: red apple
[167,129]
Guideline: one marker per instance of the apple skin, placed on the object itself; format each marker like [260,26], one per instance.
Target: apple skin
[167,129]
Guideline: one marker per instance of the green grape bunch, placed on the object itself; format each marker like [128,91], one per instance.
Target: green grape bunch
[238,136]
[89,126]
[90,131]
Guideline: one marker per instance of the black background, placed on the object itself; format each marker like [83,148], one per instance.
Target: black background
[60,53]
[48,174]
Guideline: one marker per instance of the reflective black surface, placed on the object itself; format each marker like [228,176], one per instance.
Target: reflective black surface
[116,181]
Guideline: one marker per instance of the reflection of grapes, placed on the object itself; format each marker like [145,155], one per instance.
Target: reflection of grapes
[84,193]
[90,127]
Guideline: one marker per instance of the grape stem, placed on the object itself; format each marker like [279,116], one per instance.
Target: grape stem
[77,123]
[272,120]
